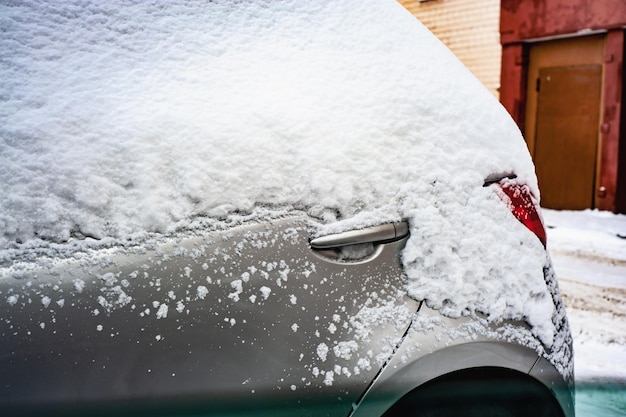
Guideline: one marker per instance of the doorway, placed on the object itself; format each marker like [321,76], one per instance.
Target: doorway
[566,138]
[563,114]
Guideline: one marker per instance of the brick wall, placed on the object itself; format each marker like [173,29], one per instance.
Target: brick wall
[470,29]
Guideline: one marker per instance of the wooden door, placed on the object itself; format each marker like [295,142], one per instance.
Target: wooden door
[566,138]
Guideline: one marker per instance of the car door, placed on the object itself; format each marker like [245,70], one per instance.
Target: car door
[252,319]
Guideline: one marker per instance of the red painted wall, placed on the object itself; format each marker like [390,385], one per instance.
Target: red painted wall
[513,81]
[620,191]
[529,19]
[612,130]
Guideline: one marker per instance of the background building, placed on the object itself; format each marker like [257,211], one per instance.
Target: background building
[470,29]
[560,71]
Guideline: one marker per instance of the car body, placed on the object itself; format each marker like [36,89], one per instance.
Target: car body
[343,275]
[255,320]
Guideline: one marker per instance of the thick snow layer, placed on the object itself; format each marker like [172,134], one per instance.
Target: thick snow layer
[589,253]
[579,239]
[117,119]
[594,288]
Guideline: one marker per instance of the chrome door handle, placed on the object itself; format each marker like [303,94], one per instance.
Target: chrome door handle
[377,234]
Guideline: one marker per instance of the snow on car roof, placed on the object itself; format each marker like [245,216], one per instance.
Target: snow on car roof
[118,118]
[123,117]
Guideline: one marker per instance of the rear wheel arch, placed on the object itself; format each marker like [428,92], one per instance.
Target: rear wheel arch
[480,391]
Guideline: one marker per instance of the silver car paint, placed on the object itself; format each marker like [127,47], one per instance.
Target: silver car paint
[91,331]
[445,348]
[249,315]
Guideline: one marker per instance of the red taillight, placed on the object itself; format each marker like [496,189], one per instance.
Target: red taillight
[523,206]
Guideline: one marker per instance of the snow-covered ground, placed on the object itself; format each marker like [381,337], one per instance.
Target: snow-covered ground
[589,253]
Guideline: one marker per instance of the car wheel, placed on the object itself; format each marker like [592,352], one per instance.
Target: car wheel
[467,410]
[487,392]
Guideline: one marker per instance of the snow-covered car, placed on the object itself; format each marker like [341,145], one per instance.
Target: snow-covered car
[264,208]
